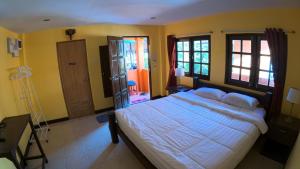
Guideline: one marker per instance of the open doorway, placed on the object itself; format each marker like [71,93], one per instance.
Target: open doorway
[136,50]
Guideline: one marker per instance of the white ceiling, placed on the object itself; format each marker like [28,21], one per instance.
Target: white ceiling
[27,15]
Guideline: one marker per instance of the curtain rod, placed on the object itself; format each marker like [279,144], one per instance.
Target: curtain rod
[254,31]
[194,34]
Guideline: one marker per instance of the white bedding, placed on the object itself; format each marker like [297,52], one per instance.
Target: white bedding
[187,131]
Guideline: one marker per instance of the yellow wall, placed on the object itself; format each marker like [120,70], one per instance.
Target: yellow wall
[41,56]
[287,19]
[8,106]
[7,62]
[40,52]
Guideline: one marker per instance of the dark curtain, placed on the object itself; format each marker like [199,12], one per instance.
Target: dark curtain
[171,42]
[277,40]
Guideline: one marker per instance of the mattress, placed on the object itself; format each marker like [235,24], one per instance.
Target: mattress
[186,131]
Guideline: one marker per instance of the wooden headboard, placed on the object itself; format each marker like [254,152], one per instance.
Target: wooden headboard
[264,99]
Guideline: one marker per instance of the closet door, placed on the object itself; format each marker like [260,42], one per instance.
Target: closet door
[72,61]
[105,71]
[118,71]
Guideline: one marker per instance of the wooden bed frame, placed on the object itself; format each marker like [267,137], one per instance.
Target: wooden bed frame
[115,130]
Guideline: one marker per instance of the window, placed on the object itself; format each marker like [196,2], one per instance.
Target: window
[183,55]
[248,62]
[193,54]
[130,56]
[265,70]
[146,54]
[136,52]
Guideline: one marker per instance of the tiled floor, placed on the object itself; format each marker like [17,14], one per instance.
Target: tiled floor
[83,143]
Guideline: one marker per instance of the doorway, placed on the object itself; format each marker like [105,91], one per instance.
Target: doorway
[137,60]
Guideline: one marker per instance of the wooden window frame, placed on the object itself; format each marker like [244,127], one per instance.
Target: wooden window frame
[188,74]
[191,56]
[255,60]
[259,86]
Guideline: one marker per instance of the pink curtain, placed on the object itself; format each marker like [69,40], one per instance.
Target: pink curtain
[171,42]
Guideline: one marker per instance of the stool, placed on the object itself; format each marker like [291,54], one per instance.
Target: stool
[131,86]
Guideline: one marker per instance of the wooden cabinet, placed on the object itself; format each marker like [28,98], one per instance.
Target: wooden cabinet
[281,138]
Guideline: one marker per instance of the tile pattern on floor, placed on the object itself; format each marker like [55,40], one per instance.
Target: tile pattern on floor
[83,143]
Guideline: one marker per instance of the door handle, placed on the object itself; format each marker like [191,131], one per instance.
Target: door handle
[72,63]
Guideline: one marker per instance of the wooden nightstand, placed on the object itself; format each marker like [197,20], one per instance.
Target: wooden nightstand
[178,88]
[280,138]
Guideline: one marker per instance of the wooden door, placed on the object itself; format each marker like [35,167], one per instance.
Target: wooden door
[118,72]
[72,60]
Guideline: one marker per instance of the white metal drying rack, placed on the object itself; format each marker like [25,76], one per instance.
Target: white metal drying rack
[28,101]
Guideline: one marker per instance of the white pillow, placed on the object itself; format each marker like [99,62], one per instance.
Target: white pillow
[210,93]
[240,100]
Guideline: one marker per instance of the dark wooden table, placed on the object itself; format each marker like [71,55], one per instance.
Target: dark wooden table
[12,133]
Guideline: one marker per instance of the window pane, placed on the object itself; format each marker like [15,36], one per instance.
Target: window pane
[236,59]
[198,50]
[236,46]
[186,56]
[186,46]
[197,57]
[179,65]
[263,78]
[179,46]
[186,67]
[197,68]
[197,45]
[271,84]
[264,63]
[246,61]
[180,56]
[235,74]
[247,46]
[245,76]
[204,69]
[205,58]
[264,47]
[204,45]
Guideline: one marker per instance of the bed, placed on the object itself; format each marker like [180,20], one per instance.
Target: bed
[185,130]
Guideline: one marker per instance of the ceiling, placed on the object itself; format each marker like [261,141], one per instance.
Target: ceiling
[27,15]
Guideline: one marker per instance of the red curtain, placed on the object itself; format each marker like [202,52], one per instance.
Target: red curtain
[171,42]
[277,40]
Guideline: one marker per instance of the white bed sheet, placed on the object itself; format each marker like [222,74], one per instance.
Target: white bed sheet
[174,133]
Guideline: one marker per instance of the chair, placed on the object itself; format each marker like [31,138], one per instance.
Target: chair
[132,87]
